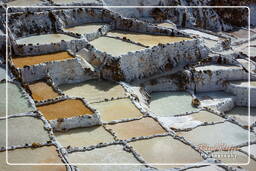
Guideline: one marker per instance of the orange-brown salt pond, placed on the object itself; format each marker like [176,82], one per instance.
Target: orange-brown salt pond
[42,91]
[64,109]
[147,39]
[20,62]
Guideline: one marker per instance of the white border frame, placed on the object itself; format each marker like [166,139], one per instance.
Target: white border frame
[109,7]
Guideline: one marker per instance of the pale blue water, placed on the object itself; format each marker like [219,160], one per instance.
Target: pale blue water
[171,103]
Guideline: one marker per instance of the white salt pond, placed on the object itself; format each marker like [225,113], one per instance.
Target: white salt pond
[171,103]
[224,133]
[45,39]
[24,3]
[17,102]
[85,29]
[114,46]
[201,34]
[74,1]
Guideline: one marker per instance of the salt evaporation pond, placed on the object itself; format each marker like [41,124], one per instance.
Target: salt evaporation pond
[109,45]
[85,29]
[20,62]
[45,39]
[16,95]
[171,103]
[147,39]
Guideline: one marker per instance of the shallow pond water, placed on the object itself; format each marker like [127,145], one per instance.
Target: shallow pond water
[45,39]
[189,121]
[110,154]
[241,33]
[117,109]
[20,132]
[64,109]
[85,29]
[167,25]
[171,103]
[46,154]
[82,137]
[147,39]
[74,1]
[136,128]
[24,3]
[42,91]
[94,90]
[205,116]
[3,74]
[16,95]
[241,114]
[20,62]
[165,150]
[114,46]
[224,133]
[201,34]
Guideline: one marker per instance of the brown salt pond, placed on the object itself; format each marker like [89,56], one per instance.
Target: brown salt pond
[147,39]
[82,137]
[85,29]
[165,150]
[45,39]
[136,128]
[20,62]
[46,154]
[94,90]
[117,109]
[113,154]
[42,91]
[64,109]
[109,45]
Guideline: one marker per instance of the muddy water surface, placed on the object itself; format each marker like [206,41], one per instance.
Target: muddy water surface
[42,91]
[64,109]
[142,127]
[20,62]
